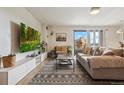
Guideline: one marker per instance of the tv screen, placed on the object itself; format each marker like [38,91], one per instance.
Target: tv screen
[29,38]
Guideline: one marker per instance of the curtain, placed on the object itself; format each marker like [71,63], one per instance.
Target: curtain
[101,37]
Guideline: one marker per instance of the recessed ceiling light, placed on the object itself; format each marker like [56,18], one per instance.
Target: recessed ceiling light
[94,10]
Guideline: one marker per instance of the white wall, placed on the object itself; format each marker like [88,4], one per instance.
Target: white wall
[44,33]
[52,39]
[111,38]
[16,15]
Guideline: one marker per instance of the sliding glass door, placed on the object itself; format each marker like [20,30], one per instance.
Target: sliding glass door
[80,40]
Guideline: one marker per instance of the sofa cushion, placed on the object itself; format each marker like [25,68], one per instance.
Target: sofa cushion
[118,52]
[88,50]
[96,51]
[61,49]
[58,48]
[106,61]
[64,48]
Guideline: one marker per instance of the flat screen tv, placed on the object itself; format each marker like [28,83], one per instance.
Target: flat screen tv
[29,38]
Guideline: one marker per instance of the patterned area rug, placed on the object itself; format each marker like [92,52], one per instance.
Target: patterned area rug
[65,76]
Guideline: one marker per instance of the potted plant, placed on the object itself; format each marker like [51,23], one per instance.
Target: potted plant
[69,50]
[9,61]
[43,46]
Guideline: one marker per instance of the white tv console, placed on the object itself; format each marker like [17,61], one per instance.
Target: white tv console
[12,75]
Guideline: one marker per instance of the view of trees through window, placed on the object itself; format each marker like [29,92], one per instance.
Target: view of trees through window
[89,38]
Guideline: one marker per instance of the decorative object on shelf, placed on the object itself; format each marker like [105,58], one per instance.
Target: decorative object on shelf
[52,54]
[61,37]
[33,55]
[39,52]
[69,50]
[9,61]
[47,27]
[43,46]
[39,49]
[51,33]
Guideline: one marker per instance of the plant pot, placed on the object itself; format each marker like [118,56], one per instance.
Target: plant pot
[8,61]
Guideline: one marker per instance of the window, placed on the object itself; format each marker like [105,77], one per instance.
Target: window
[82,34]
[89,38]
[80,38]
[94,38]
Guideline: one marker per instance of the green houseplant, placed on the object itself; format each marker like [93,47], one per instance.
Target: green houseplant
[69,50]
[43,46]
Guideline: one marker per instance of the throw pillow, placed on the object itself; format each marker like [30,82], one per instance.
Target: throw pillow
[118,52]
[96,51]
[102,49]
[108,53]
[88,50]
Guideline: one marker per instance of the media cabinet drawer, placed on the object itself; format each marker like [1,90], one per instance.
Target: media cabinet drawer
[16,74]
[12,75]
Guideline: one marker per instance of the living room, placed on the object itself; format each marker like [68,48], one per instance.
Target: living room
[54,58]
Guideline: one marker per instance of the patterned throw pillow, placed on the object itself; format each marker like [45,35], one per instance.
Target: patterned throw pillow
[88,50]
[96,51]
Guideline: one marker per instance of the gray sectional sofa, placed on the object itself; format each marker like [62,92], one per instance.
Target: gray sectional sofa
[103,67]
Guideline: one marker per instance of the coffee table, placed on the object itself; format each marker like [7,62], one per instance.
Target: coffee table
[65,60]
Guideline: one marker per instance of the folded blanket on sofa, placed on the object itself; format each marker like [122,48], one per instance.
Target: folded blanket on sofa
[106,61]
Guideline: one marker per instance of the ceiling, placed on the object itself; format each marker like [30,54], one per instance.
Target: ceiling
[77,16]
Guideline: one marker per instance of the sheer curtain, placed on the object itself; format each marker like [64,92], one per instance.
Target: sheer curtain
[95,37]
[101,37]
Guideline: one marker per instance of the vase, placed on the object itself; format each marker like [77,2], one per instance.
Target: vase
[8,61]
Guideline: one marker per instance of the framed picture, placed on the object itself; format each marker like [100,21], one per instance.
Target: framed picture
[61,37]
